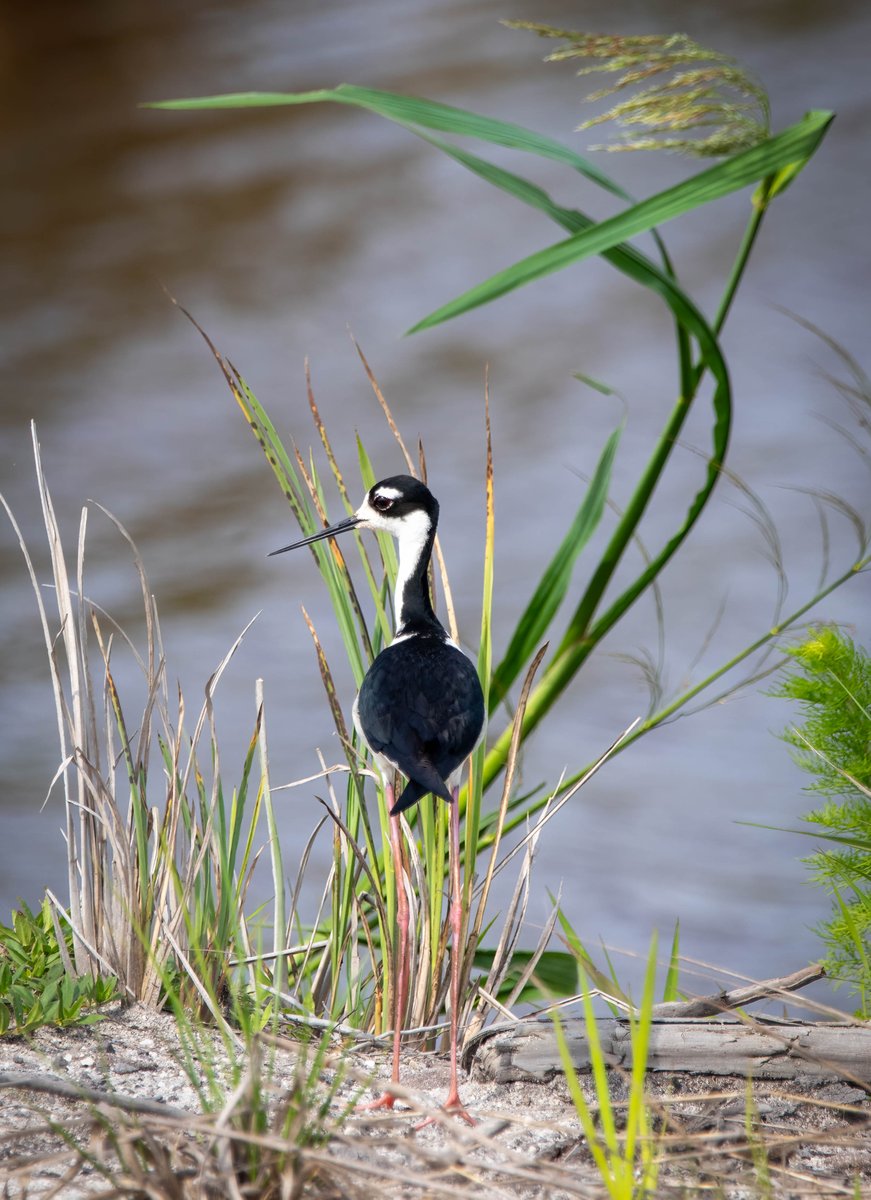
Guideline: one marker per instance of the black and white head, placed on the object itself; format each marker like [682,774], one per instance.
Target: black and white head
[400,505]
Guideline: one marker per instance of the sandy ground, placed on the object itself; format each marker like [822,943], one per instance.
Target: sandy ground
[526,1142]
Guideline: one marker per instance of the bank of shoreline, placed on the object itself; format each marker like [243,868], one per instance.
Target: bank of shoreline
[526,1144]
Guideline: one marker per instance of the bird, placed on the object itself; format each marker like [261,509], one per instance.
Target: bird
[420,711]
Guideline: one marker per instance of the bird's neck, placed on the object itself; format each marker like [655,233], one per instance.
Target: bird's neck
[412,604]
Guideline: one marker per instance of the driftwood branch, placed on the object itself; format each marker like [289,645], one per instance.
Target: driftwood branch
[35,1082]
[769,1050]
[720,1002]
[681,1039]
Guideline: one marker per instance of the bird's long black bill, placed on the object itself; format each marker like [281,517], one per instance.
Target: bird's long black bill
[330,531]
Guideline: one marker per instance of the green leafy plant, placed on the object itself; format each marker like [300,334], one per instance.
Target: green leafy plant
[830,679]
[38,985]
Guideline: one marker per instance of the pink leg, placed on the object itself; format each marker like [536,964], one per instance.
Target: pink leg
[454,1104]
[399,990]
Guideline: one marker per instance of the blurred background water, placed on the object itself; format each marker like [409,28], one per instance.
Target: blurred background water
[281,230]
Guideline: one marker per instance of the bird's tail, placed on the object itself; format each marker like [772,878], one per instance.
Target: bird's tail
[416,789]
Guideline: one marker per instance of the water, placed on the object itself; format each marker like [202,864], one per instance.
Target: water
[280,230]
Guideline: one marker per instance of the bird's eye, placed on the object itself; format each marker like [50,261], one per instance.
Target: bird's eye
[381,503]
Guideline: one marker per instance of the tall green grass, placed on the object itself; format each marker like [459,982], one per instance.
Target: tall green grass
[625,1152]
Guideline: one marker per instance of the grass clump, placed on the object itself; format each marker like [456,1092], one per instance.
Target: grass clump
[624,1148]
[266,1112]
[830,680]
[160,849]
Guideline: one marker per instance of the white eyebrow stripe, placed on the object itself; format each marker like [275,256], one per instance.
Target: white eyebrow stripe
[389,493]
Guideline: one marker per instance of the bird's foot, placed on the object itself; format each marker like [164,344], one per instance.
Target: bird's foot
[454,1107]
[385,1100]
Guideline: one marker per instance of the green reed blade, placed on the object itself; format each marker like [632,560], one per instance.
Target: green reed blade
[385,542]
[670,990]
[792,148]
[414,110]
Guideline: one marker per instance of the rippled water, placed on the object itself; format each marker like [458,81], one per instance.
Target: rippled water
[280,230]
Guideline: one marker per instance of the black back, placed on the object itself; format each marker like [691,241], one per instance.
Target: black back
[422,708]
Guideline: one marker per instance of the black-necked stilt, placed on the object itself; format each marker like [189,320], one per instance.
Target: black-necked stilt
[420,711]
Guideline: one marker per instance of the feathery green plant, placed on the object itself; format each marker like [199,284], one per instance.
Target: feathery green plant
[702,90]
[830,680]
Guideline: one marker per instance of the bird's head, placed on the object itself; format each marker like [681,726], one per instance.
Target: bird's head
[400,505]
